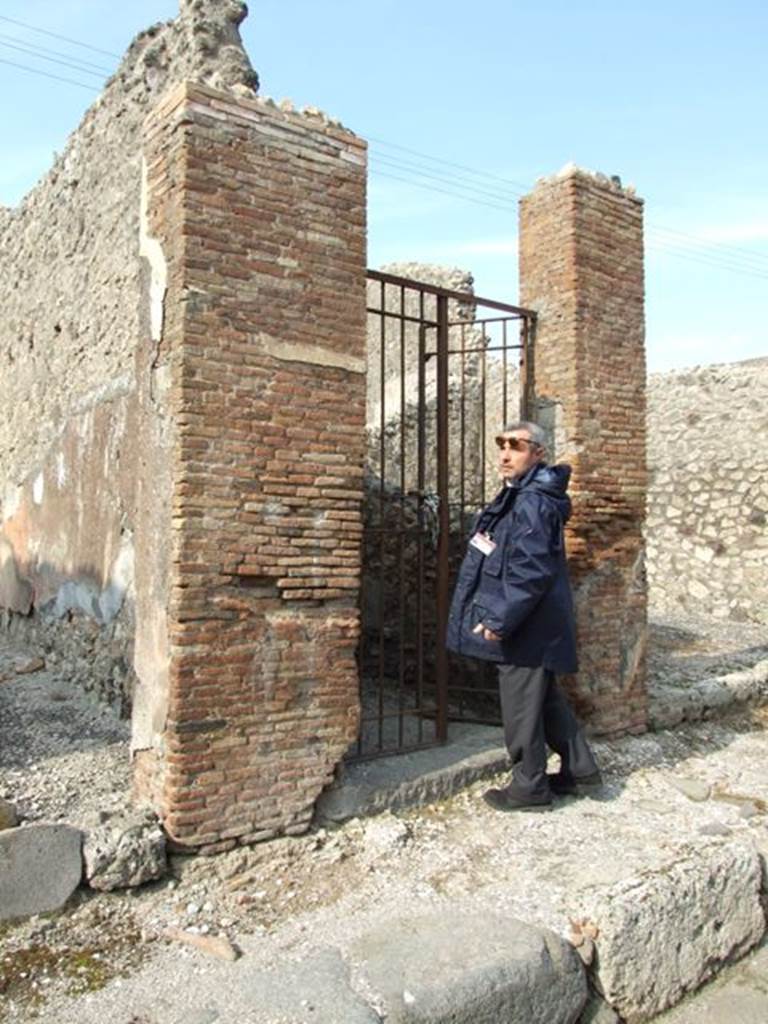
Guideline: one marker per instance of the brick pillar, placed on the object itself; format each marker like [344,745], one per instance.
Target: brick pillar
[261,215]
[581,268]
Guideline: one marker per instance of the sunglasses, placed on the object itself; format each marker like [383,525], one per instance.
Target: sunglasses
[516,444]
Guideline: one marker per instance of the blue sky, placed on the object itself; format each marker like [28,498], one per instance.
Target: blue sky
[673,96]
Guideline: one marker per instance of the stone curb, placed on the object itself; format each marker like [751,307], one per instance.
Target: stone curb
[663,933]
[449,967]
[654,937]
[670,705]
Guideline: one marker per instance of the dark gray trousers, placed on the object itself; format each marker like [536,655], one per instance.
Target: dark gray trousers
[536,713]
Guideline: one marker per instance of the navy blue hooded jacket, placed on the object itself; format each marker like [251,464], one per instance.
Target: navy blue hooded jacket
[520,590]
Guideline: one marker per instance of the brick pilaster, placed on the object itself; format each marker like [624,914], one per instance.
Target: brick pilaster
[267,224]
[581,268]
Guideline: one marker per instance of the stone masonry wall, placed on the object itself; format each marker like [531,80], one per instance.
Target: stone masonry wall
[73,290]
[708,495]
[581,269]
[261,217]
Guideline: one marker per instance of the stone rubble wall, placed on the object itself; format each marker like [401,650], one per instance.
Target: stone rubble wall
[73,289]
[706,533]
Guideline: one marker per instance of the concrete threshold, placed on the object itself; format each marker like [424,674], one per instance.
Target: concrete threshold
[421,777]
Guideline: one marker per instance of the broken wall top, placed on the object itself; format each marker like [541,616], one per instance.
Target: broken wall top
[69,253]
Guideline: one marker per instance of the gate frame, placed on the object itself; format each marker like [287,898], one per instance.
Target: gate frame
[441,324]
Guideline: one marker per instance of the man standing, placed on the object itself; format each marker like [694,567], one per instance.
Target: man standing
[513,605]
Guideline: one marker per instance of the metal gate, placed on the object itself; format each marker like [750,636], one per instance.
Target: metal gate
[445,370]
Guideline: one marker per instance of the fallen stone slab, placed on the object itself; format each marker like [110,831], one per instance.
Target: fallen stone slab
[124,853]
[661,934]
[449,967]
[40,868]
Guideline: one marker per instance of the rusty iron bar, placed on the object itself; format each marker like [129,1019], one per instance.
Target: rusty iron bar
[382,491]
[400,316]
[466,298]
[483,348]
[443,551]
[421,441]
[401,546]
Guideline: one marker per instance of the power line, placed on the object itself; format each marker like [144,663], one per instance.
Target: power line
[448,163]
[705,260]
[734,260]
[56,53]
[443,191]
[740,256]
[752,261]
[453,182]
[671,249]
[52,60]
[55,35]
[45,74]
[739,249]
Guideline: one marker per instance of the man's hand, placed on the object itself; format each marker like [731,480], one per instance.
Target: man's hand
[488,634]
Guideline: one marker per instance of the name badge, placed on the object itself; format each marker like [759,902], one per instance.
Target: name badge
[483,543]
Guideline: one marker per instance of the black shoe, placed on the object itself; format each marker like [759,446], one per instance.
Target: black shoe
[568,785]
[503,800]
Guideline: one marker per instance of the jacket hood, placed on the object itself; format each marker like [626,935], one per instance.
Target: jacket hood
[552,481]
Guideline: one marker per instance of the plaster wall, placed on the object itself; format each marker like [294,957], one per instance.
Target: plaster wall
[77,280]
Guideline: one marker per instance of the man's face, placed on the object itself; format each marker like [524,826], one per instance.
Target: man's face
[517,453]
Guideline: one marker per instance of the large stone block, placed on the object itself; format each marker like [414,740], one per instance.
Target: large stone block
[662,934]
[125,853]
[40,868]
[471,969]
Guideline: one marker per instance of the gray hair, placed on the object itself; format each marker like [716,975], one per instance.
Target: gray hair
[535,432]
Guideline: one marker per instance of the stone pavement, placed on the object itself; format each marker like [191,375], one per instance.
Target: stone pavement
[739,995]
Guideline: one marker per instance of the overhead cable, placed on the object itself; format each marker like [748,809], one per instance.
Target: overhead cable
[39,50]
[45,74]
[53,60]
[55,35]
